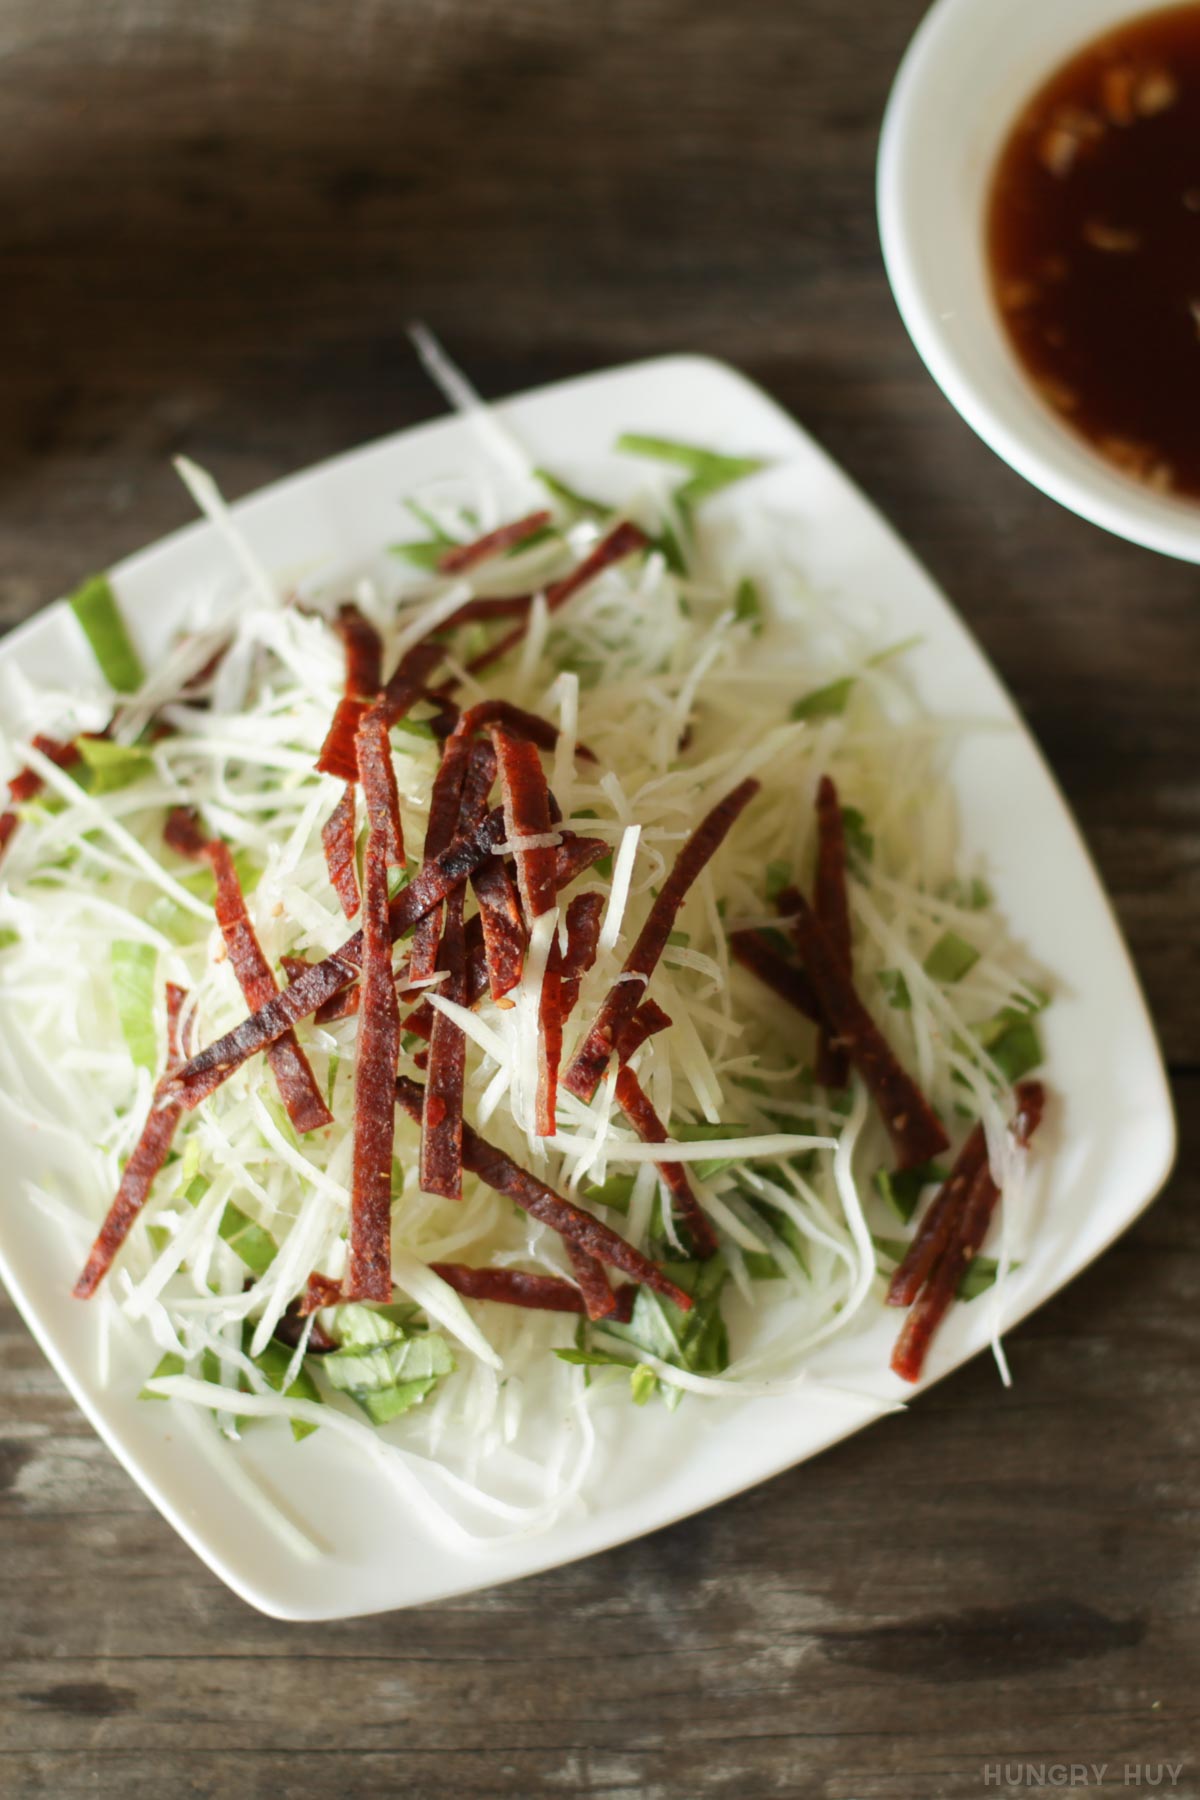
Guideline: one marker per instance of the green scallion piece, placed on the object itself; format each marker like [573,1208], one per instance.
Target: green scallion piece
[747,605]
[112,766]
[133,967]
[575,503]
[1017,1050]
[708,470]
[902,1189]
[827,702]
[896,989]
[951,958]
[95,606]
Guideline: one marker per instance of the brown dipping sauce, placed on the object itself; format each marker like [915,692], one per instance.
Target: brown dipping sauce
[1094,244]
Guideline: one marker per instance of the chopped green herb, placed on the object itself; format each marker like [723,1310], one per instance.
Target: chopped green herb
[189,1163]
[201,883]
[604,866]
[413,728]
[243,1234]
[679,940]
[971,896]
[979,1275]
[860,843]
[568,497]
[387,1379]
[616,1192]
[8,937]
[273,1363]
[697,1340]
[133,967]
[890,1249]
[762,1265]
[424,553]
[671,550]
[594,1359]
[708,471]
[95,606]
[893,650]
[357,1326]
[703,1134]
[112,766]
[747,605]
[181,927]
[779,876]
[168,1364]
[951,958]
[902,1189]
[824,702]
[1017,1049]
[642,1384]
[896,989]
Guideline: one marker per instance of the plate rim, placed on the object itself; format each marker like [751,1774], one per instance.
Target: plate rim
[478,1576]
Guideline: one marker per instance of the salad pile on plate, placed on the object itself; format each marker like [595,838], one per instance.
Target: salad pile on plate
[539,976]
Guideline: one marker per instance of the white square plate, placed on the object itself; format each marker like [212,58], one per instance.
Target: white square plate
[1108,1154]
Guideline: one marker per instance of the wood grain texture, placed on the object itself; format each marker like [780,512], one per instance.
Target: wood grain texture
[215,222]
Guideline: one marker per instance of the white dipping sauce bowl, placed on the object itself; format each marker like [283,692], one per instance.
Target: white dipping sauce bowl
[968,72]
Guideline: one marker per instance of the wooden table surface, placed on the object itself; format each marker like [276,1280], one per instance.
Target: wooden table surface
[215,223]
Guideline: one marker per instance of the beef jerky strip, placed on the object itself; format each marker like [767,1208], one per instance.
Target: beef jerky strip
[369,1255]
[291,1326]
[758,954]
[217,1061]
[518,722]
[635,1104]
[622,541]
[527,815]
[342,1006]
[319,1290]
[939,1221]
[461,557]
[627,992]
[364,652]
[146,1159]
[560,991]
[407,685]
[913,1126]
[25,785]
[831,903]
[504,1176]
[571,859]
[443,819]
[503,927]
[338,840]
[647,1022]
[377,775]
[441,1122]
[598,1298]
[184,833]
[364,672]
[540,1293]
[293,1076]
[507,606]
[962,1247]
[408,681]
[338,756]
